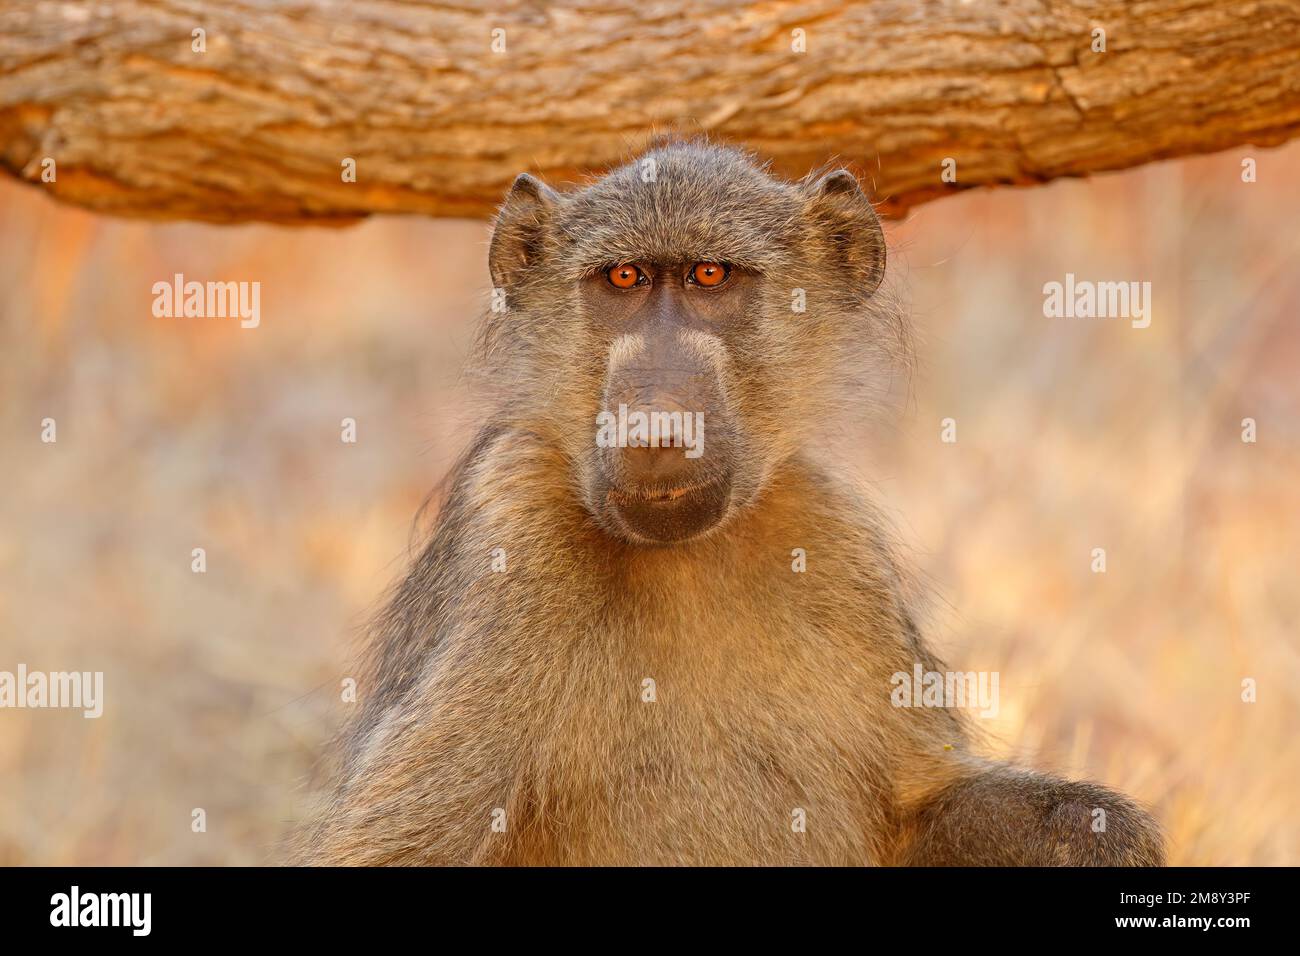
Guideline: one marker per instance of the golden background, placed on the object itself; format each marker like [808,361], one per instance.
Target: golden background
[221,688]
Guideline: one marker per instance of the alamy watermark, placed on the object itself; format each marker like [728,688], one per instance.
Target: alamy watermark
[1083,299]
[214,300]
[923,688]
[654,429]
[129,910]
[82,690]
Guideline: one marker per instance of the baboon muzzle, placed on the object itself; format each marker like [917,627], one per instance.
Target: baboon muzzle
[666,455]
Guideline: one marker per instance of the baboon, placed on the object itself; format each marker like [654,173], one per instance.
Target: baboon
[615,652]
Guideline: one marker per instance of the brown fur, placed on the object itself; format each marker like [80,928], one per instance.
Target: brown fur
[522,690]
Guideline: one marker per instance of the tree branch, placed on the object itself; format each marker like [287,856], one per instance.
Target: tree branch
[258,125]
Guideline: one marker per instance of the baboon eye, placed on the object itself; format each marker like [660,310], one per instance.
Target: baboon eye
[624,276]
[709,273]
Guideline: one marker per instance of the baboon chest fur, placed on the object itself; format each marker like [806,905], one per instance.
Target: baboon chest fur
[676,644]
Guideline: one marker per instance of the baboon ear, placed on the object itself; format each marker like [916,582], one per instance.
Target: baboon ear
[841,216]
[520,230]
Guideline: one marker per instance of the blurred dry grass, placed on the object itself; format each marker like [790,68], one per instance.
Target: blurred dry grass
[1073,434]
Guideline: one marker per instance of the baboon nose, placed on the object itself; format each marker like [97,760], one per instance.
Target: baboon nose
[660,446]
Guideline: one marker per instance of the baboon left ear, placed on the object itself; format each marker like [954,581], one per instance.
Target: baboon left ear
[520,231]
[841,215]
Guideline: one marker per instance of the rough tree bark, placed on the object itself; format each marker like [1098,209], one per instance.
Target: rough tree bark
[258,125]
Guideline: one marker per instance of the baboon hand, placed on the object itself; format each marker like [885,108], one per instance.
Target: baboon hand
[1006,817]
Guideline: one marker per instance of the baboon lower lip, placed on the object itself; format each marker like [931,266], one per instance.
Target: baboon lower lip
[652,495]
[664,515]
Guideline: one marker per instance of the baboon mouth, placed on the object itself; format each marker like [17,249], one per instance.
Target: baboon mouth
[659,515]
[653,495]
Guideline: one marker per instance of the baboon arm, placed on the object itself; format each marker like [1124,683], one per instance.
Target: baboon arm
[1000,816]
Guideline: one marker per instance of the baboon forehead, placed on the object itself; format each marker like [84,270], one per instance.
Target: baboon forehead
[681,204]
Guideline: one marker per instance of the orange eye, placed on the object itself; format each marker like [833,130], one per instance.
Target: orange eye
[624,277]
[709,273]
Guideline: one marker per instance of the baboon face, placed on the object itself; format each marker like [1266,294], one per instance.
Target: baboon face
[677,327]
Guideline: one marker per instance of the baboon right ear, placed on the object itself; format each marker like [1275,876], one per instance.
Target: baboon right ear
[842,217]
[520,230]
